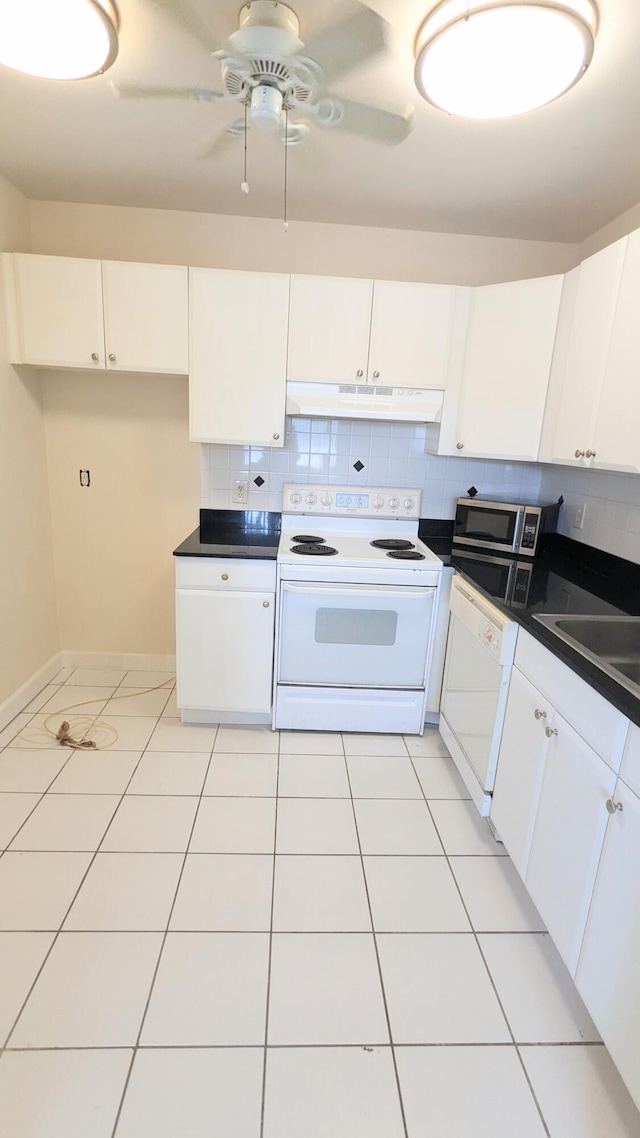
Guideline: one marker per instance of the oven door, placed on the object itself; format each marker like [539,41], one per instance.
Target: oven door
[355,635]
[488,524]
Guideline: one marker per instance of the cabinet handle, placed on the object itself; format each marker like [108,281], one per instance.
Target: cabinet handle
[265,604]
[590,454]
[540,714]
[579,454]
[459,446]
[359,373]
[276,435]
[376,375]
[549,731]
[612,806]
[225,576]
[95,357]
[112,358]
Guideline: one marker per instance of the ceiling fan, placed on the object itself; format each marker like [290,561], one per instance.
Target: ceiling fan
[272,74]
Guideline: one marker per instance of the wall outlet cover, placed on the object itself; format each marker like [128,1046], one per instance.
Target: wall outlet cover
[578,515]
[240,490]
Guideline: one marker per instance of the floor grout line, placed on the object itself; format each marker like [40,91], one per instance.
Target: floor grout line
[270,953]
[161,951]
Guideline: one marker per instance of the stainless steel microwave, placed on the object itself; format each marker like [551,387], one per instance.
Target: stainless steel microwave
[506,527]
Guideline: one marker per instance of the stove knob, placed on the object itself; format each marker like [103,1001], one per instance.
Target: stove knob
[295,498]
[394,503]
[378,502]
[311,498]
[408,503]
[327,499]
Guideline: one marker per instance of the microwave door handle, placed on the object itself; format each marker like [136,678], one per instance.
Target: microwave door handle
[517,537]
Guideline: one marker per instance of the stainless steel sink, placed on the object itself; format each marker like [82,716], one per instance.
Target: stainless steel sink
[611,642]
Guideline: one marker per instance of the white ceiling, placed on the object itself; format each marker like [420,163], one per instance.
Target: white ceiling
[556,174]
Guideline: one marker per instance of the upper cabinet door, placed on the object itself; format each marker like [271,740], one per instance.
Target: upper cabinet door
[56,311]
[584,337]
[238,345]
[410,334]
[616,440]
[329,323]
[146,316]
[506,369]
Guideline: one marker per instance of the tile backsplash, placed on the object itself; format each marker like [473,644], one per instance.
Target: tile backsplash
[358,454]
[612,501]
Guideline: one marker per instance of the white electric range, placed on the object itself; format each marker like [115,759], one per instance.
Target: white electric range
[357,593]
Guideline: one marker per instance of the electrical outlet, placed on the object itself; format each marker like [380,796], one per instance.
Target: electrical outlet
[85,477]
[240,490]
[578,515]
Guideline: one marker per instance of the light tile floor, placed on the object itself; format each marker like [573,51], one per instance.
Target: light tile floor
[229,933]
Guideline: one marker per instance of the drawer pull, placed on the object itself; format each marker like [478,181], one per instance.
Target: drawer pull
[579,454]
[612,806]
[225,576]
[265,604]
[590,454]
[459,446]
[549,731]
[540,714]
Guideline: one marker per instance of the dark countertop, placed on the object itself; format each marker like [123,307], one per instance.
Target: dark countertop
[568,578]
[233,533]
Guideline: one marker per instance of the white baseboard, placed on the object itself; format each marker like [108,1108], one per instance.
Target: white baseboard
[132,661]
[29,689]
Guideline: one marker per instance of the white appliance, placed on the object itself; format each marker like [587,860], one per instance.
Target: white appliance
[360,401]
[356,620]
[480,650]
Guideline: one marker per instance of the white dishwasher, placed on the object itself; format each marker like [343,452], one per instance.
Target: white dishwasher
[480,650]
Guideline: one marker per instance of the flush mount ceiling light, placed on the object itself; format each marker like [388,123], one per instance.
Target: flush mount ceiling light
[486,59]
[58,39]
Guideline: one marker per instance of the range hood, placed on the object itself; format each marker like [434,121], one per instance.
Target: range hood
[364,401]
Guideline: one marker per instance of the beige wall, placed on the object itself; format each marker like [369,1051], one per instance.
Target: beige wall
[113,542]
[259,244]
[28,626]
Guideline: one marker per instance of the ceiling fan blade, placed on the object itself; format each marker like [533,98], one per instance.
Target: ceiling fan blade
[374,123]
[200,94]
[341,47]
[184,16]
[223,141]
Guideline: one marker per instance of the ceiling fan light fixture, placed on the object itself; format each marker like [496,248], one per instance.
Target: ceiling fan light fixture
[58,39]
[489,59]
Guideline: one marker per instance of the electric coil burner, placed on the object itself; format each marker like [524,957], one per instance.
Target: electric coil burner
[406,554]
[314,549]
[358,605]
[391,543]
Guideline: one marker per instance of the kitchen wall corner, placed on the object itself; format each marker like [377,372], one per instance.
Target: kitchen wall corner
[612,513]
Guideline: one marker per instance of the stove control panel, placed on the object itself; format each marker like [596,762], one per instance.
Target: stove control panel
[354,501]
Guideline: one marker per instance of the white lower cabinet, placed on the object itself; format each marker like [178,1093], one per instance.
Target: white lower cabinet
[520,768]
[225,625]
[570,824]
[608,976]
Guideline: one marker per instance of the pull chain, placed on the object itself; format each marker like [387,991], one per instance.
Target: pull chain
[286,156]
[244,184]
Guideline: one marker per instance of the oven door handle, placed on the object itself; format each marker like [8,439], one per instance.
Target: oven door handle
[386,591]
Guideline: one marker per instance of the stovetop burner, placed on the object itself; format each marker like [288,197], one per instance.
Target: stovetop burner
[406,555]
[314,549]
[392,543]
[306,539]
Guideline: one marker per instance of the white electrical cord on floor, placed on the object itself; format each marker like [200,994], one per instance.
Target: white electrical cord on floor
[83,731]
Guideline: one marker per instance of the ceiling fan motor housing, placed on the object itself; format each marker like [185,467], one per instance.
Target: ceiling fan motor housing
[266,106]
[266,27]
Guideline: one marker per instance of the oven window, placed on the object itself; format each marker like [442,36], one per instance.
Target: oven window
[356,626]
[493,526]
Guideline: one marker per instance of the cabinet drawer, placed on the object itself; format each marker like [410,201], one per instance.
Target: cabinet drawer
[225,573]
[630,769]
[601,725]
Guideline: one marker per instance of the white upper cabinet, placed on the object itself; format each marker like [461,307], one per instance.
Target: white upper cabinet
[238,347]
[67,312]
[616,439]
[329,323]
[146,314]
[584,336]
[505,375]
[345,330]
[411,327]
[55,311]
